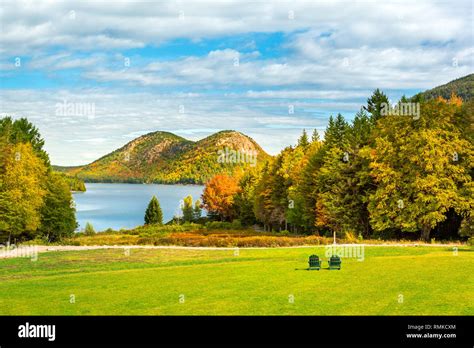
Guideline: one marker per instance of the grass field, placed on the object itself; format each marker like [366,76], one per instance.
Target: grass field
[390,281]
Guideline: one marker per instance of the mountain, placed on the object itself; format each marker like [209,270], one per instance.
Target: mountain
[462,87]
[162,157]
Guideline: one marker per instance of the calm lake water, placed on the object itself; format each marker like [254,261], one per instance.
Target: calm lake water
[123,205]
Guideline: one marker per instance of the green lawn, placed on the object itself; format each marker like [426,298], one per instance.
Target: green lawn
[432,281]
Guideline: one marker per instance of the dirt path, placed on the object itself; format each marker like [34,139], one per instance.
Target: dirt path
[27,250]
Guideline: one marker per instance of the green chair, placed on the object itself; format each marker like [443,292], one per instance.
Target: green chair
[334,262]
[314,262]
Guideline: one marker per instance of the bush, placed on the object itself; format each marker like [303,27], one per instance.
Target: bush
[223,225]
[236,224]
[89,230]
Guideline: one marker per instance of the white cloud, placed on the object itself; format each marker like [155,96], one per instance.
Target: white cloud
[333,54]
[93,25]
[121,117]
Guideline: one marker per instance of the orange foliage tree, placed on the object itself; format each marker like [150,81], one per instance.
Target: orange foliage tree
[218,196]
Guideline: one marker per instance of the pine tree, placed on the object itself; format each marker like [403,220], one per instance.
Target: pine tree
[315,136]
[153,214]
[303,140]
[263,191]
[306,190]
[244,200]
[375,104]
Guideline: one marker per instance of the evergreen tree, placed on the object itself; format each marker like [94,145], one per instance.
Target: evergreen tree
[336,132]
[153,214]
[263,191]
[244,200]
[306,191]
[303,140]
[315,136]
[375,104]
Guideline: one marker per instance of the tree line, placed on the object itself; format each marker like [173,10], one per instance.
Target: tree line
[379,176]
[35,201]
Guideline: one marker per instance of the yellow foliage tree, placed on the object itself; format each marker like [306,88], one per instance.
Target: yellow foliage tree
[21,189]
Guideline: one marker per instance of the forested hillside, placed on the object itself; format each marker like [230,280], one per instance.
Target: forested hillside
[162,157]
[462,87]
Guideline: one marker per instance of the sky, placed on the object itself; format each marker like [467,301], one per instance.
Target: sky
[94,75]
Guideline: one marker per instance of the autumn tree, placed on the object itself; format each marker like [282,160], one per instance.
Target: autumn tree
[23,131]
[22,188]
[421,168]
[218,196]
[33,201]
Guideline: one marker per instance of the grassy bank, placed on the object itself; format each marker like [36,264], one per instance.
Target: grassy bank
[389,281]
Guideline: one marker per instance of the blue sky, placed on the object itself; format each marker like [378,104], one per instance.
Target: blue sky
[268,69]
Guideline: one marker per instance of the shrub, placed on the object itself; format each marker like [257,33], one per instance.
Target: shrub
[236,224]
[89,230]
[223,225]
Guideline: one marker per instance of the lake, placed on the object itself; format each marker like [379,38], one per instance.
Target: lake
[123,205]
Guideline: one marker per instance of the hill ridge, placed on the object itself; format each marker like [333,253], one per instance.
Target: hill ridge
[164,157]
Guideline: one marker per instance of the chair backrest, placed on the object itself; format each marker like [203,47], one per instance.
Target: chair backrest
[313,259]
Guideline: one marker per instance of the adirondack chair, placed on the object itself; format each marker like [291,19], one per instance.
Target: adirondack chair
[334,262]
[314,262]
